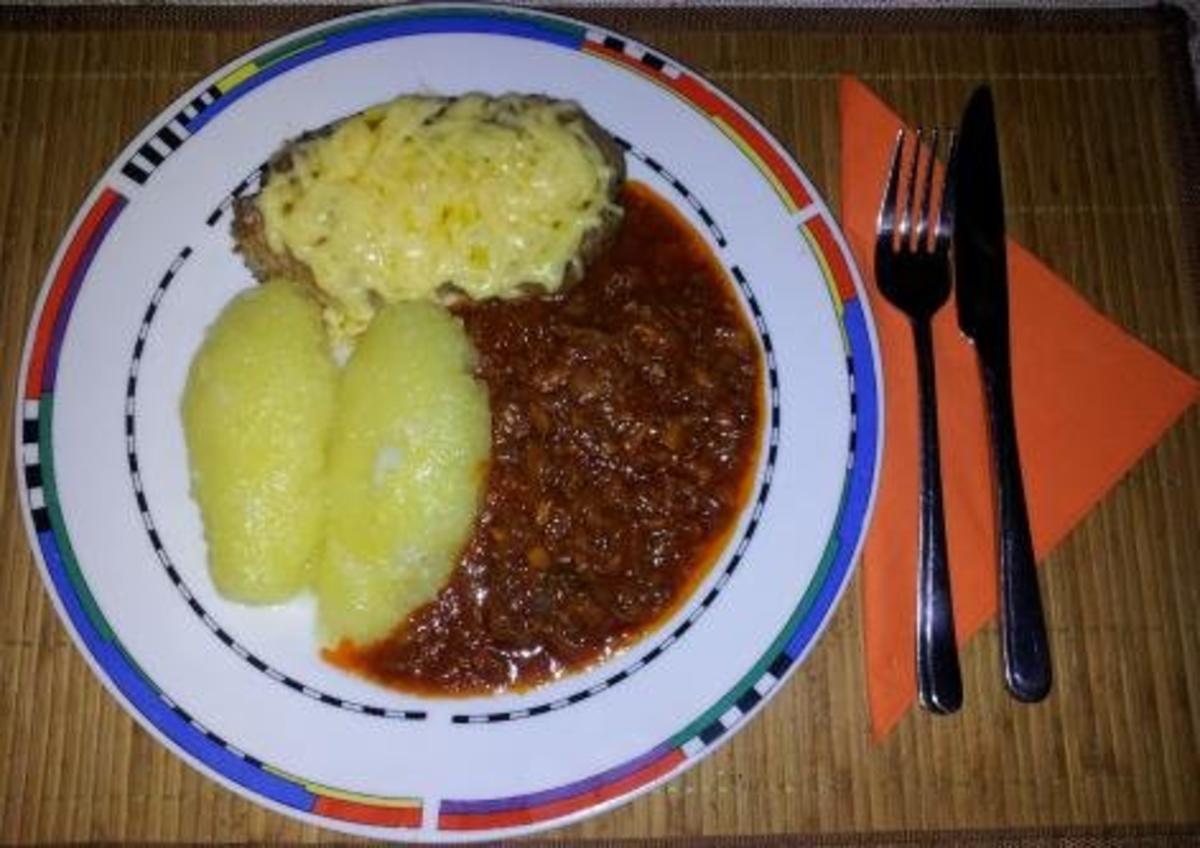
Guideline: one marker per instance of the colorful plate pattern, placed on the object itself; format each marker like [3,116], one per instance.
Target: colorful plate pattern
[442,814]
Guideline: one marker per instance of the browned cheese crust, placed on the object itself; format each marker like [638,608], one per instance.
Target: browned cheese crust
[249,231]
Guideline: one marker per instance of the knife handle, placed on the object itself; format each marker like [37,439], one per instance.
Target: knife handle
[1026,647]
[939,680]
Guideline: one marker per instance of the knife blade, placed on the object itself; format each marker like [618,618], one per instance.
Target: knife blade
[981,293]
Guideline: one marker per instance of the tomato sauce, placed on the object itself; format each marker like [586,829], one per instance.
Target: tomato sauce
[626,416]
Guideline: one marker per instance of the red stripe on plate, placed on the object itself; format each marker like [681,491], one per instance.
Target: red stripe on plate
[557,809]
[834,256]
[373,814]
[707,101]
[58,290]
[695,91]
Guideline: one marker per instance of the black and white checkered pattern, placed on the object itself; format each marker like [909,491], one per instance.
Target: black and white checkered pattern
[652,61]
[167,138]
[250,185]
[680,189]
[31,461]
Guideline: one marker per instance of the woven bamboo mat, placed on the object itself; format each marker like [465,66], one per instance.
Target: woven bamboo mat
[1102,153]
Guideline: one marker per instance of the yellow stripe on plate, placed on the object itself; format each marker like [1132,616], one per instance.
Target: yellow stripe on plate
[749,153]
[238,77]
[826,272]
[343,794]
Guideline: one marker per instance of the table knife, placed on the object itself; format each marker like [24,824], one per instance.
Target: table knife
[981,292]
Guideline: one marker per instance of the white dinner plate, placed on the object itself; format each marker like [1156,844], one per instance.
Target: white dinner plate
[242,694]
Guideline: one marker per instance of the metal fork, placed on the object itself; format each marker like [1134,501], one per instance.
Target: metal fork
[912,269]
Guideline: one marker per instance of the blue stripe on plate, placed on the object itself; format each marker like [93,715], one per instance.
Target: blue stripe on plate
[385,29]
[862,472]
[145,698]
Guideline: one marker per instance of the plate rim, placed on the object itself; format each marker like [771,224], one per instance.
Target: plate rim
[847,274]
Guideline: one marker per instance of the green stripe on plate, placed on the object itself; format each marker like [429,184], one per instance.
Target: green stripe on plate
[58,525]
[759,669]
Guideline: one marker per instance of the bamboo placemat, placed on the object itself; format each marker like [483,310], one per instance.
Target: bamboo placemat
[1102,152]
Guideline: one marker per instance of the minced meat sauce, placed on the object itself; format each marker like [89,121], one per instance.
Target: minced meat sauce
[626,414]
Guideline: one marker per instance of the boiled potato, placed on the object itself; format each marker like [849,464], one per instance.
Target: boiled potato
[257,410]
[407,463]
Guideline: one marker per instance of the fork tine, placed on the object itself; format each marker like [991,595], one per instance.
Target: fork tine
[884,226]
[910,204]
[945,225]
[923,222]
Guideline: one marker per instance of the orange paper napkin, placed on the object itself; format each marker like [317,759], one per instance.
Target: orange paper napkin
[1090,399]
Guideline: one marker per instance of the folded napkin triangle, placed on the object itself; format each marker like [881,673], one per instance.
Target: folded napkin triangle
[1090,399]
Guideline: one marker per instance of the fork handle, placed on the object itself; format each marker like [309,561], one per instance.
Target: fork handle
[939,681]
[1026,648]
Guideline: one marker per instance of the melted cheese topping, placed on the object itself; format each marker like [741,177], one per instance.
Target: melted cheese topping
[420,193]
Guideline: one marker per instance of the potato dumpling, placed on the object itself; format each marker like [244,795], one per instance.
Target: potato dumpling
[407,464]
[257,410]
